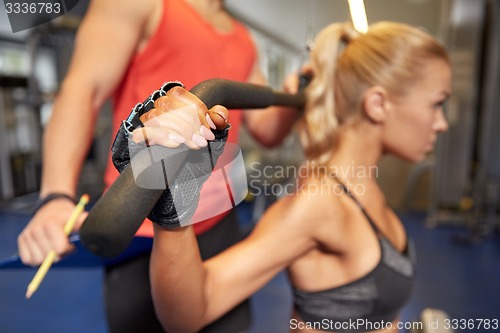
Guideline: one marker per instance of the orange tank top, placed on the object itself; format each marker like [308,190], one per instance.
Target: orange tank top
[187,48]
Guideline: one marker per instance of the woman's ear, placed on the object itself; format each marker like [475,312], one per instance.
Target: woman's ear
[375,103]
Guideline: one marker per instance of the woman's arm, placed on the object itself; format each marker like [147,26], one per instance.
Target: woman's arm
[189,293]
[271,126]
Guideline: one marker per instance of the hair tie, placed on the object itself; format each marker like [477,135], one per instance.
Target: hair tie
[349,34]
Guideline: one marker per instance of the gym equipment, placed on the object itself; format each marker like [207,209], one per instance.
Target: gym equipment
[117,215]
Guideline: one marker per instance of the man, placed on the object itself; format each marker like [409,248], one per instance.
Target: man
[126,50]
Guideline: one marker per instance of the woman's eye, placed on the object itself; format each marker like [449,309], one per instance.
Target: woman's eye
[439,105]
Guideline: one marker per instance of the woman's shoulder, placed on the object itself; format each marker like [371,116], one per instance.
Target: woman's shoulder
[314,204]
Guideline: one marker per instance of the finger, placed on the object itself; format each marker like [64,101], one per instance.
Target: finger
[162,105]
[207,133]
[176,126]
[57,240]
[210,121]
[168,103]
[291,84]
[157,136]
[24,249]
[150,116]
[191,115]
[180,118]
[179,100]
[44,245]
[29,250]
[80,220]
[176,120]
[183,121]
[188,98]
[169,139]
[71,247]
[219,115]
[307,69]
[168,122]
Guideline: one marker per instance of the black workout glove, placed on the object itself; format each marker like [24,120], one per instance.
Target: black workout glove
[179,201]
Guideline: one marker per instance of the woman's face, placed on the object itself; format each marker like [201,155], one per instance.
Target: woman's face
[415,120]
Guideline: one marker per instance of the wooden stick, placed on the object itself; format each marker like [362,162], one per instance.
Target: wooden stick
[49,260]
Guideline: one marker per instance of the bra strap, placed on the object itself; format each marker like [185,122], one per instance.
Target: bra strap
[358,203]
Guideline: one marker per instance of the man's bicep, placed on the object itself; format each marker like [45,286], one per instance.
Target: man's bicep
[105,43]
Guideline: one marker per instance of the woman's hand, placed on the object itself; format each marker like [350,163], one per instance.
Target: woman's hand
[178,118]
[297,82]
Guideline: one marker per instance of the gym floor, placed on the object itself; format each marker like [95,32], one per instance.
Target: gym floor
[462,280]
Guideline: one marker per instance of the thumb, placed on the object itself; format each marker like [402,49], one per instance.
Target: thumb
[80,221]
[219,115]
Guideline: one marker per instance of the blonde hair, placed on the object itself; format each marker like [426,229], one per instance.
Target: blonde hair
[390,55]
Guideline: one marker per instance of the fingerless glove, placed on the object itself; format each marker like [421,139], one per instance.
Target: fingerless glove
[179,201]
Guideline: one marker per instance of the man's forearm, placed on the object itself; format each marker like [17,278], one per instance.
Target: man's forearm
[66,141]
[271,126]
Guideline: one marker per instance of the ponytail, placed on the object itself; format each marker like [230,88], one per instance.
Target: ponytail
[319,126]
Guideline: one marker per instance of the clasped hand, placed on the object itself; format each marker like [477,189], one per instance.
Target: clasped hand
[178,118]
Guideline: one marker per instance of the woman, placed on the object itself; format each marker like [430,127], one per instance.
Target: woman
[348,257]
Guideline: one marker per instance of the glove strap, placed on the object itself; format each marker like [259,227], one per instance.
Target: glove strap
[133,121]
[122,146]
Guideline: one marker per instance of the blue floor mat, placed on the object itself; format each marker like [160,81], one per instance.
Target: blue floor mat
[462,280]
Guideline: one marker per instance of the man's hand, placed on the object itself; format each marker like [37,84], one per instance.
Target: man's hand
[45,232]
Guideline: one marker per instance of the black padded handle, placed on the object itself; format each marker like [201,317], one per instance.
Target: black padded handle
[118,214]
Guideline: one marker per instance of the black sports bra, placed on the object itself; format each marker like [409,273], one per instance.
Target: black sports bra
[369,303]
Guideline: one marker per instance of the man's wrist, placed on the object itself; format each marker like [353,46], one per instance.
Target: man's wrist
[50,197]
